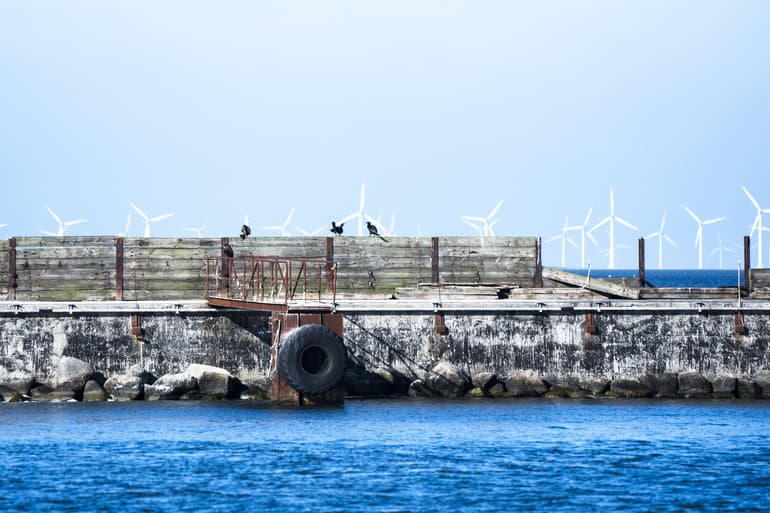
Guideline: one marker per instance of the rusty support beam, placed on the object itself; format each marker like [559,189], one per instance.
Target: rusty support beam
[136,326]
[439,323]
[119,268]
[740,324]
[434,267]
[747,262]
[590,324]
[642,277]
[226,263]
[12,276]
[330,264]
[537,279]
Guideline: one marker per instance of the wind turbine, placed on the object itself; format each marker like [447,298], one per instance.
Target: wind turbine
[198,230]
[148,220]
[283,228]
[661,237]
[310,234]
[3,225]
[63,225]
[612,219]
[564,240]
[757,226]
[484,224]
[360,214]
[583,233]
[720,249]
[699,233]
[125,230]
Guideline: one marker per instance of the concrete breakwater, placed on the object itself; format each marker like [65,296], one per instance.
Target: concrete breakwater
[500,348]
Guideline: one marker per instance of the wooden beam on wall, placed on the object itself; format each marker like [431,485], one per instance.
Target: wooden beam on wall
[119,268]
[12,281]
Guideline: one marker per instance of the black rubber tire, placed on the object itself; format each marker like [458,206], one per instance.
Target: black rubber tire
[312,359]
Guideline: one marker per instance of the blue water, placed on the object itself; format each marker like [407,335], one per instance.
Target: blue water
[405,455]
[673,278]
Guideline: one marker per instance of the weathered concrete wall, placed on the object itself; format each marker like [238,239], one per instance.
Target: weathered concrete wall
[553,344]
[239,342]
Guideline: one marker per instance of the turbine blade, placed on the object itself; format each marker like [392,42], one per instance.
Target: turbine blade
[692,214]
[588,216]
[555,237]
[626,223]
[70,223]
[142,214]
[53,214]
[652,235]
[670,241]
[362,198]
[494,210]
[715,220]
[288,218]
[50,234]
[474,219]
[600,224]
[475,227]
[662,223]
[349,217]
[751,198]
[160,218]
[572,242]
[591,237]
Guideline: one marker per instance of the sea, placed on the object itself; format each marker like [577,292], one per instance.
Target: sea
[674,278]
[401,455]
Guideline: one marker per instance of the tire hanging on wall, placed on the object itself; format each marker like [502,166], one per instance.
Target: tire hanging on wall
[312,359]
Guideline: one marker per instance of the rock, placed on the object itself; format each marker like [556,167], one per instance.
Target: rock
[182,381]
[397,380]
[595,386]
[160,392]
[125,387]
[762,380]
[139,372]
[747,389]
[59,395]
[256,390]
[525,384]
[363,383]
[663,385]
[692,385]
[724,387]
[171,387]
[448,380]
[215,382]
[93,392]
[71,373]
[20,381]
[629,389]
[39,391]
[9,395]
[497,390]
[484,380]
[476,392]
[563,387]
[418,388]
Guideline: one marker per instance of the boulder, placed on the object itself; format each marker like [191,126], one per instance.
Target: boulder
[747,389]
[418,388]
[484,380]
[525,383]
[139,372]
[39,391]
[160,392]
[215,382]
[182,381]
[363,383]
[125,387]
[21,381]
[497,390]
[93,392]
[397,380]
[762,380]
[59,395]
[664,385]
[9,395]
[565,386]
[595,386]
[724,387]
[71,373]
[692,385]
[256,390]
[629,389]
[171,387]
[448,380]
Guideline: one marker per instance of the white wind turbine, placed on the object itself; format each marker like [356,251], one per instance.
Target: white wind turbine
[699,233]
[125,230]
[564,240]
[310,234]
[757,226]
[148,220]
[198,230]
[661,237]
[484,225]
[283,228]
[583,234]
[612,219]
[360,214]
[63,225]
[720,249]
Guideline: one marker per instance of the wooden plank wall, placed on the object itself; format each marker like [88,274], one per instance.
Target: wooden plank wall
[84,268]
[760,282]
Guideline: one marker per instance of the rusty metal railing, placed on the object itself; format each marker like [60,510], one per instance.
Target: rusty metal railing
[271,281]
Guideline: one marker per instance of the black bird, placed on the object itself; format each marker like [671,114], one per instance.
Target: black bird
[245,231]
[373,231]
[336,230]
[228,249]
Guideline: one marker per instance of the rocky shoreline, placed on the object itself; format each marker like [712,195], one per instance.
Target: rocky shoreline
[76,380]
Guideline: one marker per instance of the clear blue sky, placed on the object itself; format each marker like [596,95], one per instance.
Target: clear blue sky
[213,110]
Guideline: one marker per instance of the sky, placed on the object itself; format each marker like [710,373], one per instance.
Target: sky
[218,110]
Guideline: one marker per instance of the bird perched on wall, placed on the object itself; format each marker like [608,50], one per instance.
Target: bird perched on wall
[373,231]
[336,230]
[245,231]
[228,249]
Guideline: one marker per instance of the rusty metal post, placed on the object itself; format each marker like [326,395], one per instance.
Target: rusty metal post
[434,267]
[642,277]
[740,324]
[119,268]
[590,324]
[12,276]
[537,280]
[747,262]
[225,270]
[330,269]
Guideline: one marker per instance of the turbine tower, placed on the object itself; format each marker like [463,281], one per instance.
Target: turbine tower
[564,240]
[757,226]
[583,234]
[63,225]
[699,233]
[360,214]
[661,237]
[148,220]
[485,225]
[612,219]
